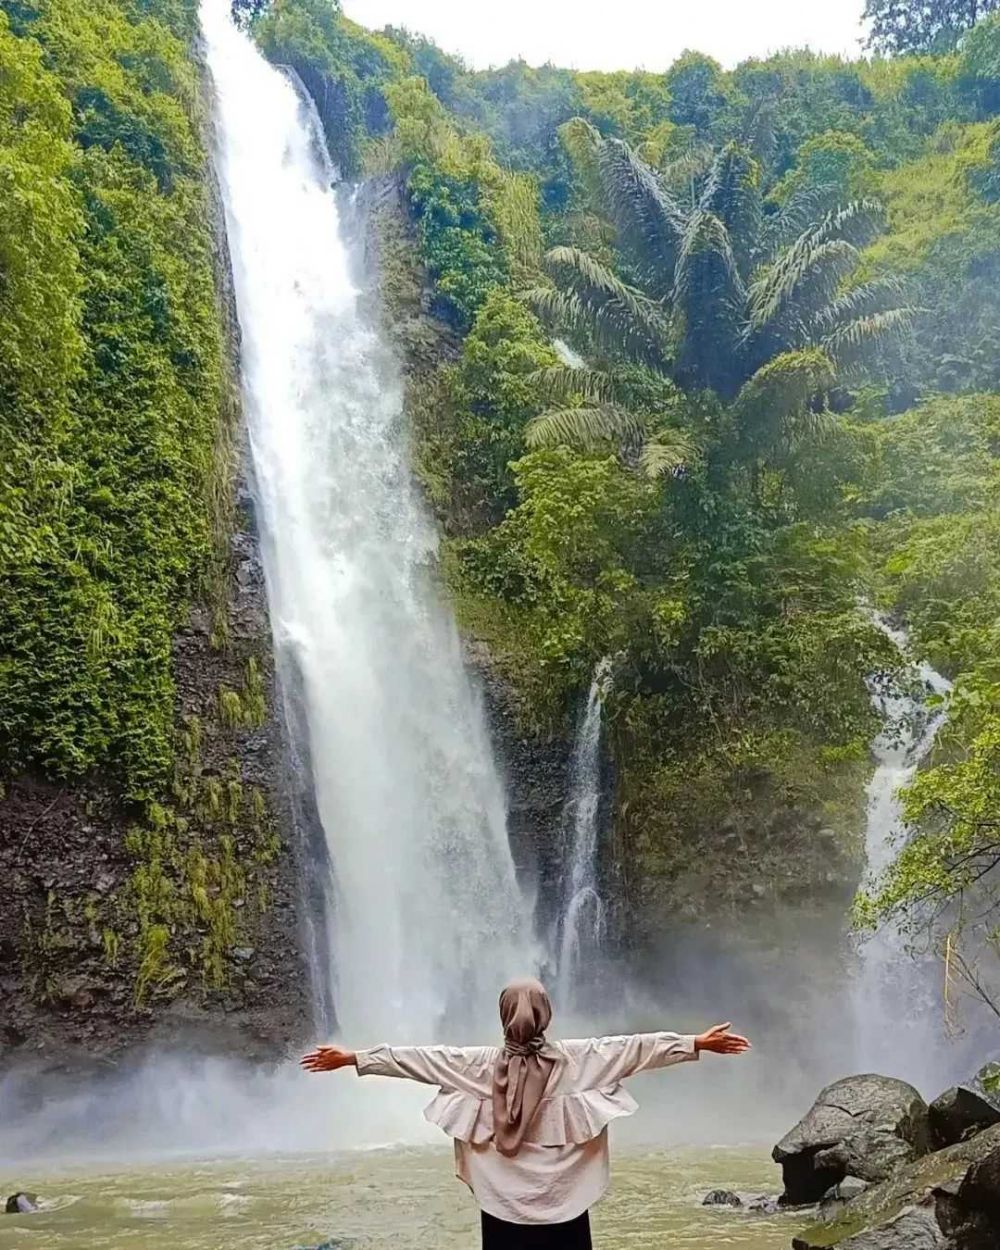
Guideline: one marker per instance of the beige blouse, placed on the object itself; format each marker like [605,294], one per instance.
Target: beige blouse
[562,1167]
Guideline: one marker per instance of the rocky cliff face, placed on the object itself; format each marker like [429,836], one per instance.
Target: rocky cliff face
[121,926]
[71,923]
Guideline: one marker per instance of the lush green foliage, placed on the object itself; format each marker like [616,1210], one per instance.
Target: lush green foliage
[936,496]
[343,67]
[113,387]
[720,255]
[703,499]
[457,240]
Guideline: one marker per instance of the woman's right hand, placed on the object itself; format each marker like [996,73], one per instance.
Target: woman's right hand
[719,1041]
[328,1059]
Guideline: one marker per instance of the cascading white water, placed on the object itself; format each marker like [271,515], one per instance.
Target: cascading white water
[580,927]
[890,986]
[570,358]
[427,918]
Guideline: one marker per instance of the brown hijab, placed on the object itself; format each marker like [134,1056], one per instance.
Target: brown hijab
[523,1069]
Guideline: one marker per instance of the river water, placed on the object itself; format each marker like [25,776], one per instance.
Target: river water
[406,1199]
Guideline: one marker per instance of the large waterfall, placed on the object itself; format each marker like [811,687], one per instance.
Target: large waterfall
[891,986]
[425,915]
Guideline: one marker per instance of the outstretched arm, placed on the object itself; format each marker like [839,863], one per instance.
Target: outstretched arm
[451,1067]
[603,1061]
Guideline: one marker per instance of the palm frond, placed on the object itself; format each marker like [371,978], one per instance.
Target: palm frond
[760,132]
[732,194]
[648,221]
[709,295]
[858,301]
[858,223]
[586,428]
[558,384]
[801,210]
[816,264]
[619,317]
[581,142]
[851,344]
[706,237]
[666,452]
[559,309]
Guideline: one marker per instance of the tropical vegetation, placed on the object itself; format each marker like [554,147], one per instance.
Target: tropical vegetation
[715,374]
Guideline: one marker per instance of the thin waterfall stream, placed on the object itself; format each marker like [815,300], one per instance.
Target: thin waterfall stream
[425,917]
[581,922]
[889,981]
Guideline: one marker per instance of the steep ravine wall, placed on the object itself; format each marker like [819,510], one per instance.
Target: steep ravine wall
[80,976]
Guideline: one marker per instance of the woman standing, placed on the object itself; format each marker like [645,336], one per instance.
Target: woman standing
[530,1121]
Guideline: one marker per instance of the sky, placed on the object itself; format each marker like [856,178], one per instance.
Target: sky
[618,34]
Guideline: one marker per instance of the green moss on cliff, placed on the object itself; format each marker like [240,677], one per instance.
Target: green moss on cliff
[111,501]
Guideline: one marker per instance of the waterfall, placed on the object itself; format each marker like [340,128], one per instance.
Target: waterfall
[892,987]
[424,918]
[580,927]
[570,358]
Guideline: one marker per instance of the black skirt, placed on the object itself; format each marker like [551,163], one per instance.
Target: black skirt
[499,1235]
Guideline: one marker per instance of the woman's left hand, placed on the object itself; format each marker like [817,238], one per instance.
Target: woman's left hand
[328,1059]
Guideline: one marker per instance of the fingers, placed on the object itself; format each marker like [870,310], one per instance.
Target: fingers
[721,1042]
[322,1059]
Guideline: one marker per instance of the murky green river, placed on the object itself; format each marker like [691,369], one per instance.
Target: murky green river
[403,1199]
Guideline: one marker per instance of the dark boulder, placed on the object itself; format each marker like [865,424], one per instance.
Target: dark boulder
[932,1182]
[980,1188]
[722,1198]
[961,1112]
[21,1204]
[862,1126]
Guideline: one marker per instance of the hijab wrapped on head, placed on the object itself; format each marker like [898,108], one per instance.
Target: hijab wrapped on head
[523,1069]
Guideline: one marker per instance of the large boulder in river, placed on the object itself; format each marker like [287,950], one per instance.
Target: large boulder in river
[932,1182]
[863,1126]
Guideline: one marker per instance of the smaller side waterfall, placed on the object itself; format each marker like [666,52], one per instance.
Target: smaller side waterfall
[891,985]
[581,924]
[570,358]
